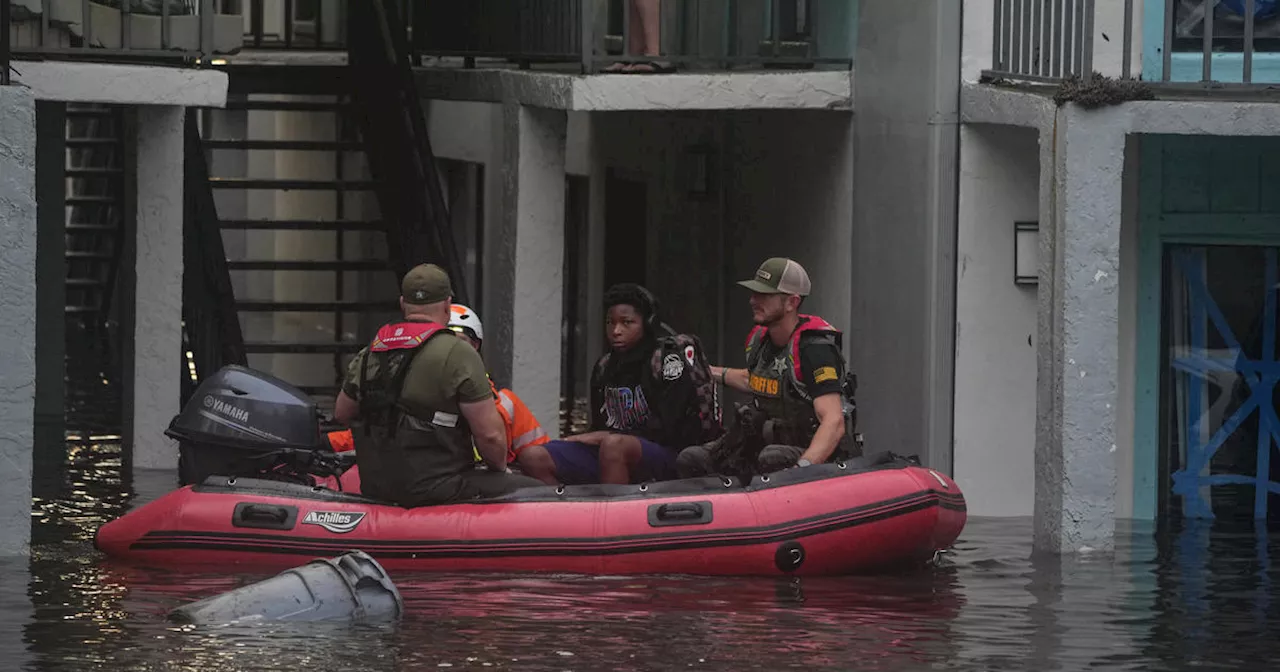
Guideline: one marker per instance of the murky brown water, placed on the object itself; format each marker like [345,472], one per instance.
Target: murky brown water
[1194,600]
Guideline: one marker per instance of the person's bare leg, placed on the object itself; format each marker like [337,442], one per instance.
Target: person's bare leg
[635,39]
[536,462]
[649,13]
[646,31]
[619,455]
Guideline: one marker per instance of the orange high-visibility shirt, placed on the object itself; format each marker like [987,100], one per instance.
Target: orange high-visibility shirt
[523,429]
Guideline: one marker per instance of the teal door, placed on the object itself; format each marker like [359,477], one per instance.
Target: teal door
[1218,423]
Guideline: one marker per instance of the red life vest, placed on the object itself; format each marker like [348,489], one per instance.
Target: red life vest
[392,350]
[808,324]
[403,335]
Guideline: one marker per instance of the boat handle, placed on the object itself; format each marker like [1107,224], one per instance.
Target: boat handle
[264,516]
[680,513]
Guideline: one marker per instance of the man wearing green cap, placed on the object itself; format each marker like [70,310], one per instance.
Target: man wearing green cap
[801,403]
[422,397]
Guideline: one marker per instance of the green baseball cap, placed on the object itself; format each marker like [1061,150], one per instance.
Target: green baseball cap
[424,284]
[779,275]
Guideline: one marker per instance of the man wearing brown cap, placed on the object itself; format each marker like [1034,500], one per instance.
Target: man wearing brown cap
[795,375]
[422,397]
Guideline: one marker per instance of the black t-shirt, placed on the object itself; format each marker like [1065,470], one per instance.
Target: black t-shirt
[627,398]
[821,363]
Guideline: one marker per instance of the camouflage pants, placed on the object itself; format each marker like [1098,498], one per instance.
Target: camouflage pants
[696,461]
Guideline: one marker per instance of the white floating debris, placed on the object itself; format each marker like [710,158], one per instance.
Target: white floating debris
[565,653]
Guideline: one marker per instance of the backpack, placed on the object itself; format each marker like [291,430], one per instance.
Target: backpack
[681,354]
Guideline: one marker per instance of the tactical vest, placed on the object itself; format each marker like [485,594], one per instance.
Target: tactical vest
[778,390]
[400,453]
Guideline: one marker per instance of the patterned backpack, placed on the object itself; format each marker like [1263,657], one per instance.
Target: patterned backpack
[681,356]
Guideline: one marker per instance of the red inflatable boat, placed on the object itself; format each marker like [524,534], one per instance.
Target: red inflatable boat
[871,513]
[824,519]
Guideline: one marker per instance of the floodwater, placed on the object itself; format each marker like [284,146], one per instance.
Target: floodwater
[1197,598]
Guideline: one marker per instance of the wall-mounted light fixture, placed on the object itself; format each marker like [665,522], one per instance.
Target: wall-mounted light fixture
[697,170]
[1026,253]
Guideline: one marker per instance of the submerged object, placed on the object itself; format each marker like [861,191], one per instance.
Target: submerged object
[350,587]
[870,513]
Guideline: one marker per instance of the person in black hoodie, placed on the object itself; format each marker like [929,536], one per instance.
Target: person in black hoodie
[639,421]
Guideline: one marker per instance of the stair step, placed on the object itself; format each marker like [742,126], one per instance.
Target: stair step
[93,200]
[74,254]
[91,142]
[289,105]
[89,111]
[77,227]
[85,282]
[316,306]
[289,185]
[94,172]
[299,225]
[302,348]
[293,145]
[291,265]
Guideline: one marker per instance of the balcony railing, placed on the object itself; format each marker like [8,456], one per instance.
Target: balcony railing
[303,25]
[1185,43]
[591,34]
[584,35]
[184,30]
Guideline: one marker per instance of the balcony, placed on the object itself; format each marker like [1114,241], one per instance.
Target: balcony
[1169,44]
[589,35]
[164,30]
[563,35]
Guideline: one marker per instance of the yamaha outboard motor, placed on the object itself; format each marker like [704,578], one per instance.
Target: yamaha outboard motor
[242,422]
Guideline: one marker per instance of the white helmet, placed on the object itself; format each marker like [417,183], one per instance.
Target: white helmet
[463,319]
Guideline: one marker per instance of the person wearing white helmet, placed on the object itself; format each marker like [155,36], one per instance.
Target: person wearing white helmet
[465,321]
[523,429]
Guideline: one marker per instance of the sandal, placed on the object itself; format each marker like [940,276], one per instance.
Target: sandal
[651,68]
[618,67]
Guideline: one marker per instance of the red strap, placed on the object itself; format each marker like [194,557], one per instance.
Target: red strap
[807,323]
[404,336]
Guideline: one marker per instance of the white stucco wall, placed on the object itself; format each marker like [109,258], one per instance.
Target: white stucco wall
[995,379]
[1127,326]
[157,327]
[996,324]
[1108,38]
[17,315]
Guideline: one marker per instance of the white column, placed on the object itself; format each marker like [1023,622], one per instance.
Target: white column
[157,328]
[17,314]
[1082,169]
[533,205]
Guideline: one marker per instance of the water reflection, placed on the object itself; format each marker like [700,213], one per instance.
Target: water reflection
[1194,597]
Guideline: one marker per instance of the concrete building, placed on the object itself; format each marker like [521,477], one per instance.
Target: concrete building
[1148,325]
[1063,305]
[38,219]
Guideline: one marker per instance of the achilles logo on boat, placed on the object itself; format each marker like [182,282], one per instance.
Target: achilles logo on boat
[223,408]
[338,522]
